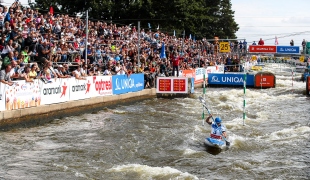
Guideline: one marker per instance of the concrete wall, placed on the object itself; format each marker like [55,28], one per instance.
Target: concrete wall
[35,116]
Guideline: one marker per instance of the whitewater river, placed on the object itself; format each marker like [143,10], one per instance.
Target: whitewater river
[163,139]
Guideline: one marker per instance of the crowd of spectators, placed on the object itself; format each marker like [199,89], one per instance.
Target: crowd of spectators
[49,46]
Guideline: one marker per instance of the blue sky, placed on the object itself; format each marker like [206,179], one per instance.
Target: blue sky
[269,18]
[286,19]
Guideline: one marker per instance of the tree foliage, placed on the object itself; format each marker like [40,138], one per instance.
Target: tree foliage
[201,18]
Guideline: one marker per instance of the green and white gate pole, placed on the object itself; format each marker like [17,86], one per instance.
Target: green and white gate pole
[244,89]
[204,97]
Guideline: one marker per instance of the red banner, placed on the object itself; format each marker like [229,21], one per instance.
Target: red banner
[264,81]
[262,49]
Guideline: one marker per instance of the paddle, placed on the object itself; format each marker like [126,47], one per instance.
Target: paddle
[205,105]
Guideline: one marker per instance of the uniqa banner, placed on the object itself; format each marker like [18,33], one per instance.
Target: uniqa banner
[123,84]
[230,79]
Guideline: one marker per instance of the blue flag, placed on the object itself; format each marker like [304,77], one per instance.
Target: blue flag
[149,25]
[163,52]
[190,36]
[174,33]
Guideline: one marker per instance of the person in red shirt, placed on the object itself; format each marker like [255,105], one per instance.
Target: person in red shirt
[261,42]
[175,63]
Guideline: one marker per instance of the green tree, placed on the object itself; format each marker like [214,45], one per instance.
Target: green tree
[202,18]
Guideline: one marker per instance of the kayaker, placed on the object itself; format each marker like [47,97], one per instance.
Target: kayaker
[217,128]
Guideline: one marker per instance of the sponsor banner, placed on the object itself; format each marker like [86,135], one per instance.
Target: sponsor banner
[288,49]
[230,79]
[171,85]
[265,81]
[262,49]
[199,75]
[22,95]
[2,96]
[99,85]
[308,85]
[55,92]
[123,84]
[190,73]
[79,89]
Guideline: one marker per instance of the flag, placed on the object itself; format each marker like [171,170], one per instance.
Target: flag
[52,10]
[276,41]
[149,25]
[190,36]
[162,51]
[174,33]
[158,27]
[194,39]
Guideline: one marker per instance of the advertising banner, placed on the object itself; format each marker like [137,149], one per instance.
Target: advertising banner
[172,85]
[55,92]
[99,85]
[79,89]
[2,96]
[308,86]
[22,95]
[264,80]
[288,49]
[123,84]
[199,75]
[262,49]
[230,79]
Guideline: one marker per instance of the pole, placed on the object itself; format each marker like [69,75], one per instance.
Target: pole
[139,44]
[183,42]
[244,89]
[204,97]
[86,40]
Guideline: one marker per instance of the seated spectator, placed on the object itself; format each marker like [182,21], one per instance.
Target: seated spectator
[5,77]
[108,71]
[77,74]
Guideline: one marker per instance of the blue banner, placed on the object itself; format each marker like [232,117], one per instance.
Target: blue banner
[288,49]
[122,84]
[230,79]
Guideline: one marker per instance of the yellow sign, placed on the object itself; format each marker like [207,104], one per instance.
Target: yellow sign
[256,68]
[254,58]
[302,58]
[224,47]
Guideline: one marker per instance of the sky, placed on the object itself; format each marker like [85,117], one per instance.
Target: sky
[265,19]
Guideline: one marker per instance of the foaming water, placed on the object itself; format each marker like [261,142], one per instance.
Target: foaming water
[164,139]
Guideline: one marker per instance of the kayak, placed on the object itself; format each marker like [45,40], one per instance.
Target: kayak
[216,143]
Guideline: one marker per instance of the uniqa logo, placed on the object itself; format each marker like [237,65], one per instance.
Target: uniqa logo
[215,79]
[124,83]
[232,79]
[139,85]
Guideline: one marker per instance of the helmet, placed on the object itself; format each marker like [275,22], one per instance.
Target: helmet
[218,120]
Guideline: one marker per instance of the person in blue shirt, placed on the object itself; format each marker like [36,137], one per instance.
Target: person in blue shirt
[217,128]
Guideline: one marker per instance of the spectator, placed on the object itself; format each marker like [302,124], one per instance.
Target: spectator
[303,44]
[261,42]
[292,42]
[5,75]
[175,62]
[77,74]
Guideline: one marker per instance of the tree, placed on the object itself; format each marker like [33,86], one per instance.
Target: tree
[202,18]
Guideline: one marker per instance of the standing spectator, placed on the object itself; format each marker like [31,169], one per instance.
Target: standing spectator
[292,42]
[304,45]
[175,64]
[261,42]
[254,43]
[43,52]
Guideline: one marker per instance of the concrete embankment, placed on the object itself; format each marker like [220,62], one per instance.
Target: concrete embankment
[36,116]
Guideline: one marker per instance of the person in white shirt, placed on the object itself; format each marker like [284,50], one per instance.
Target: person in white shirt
[108,71]
[77,74]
